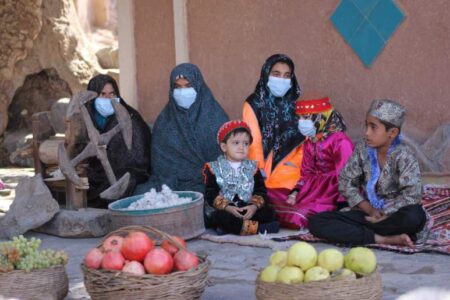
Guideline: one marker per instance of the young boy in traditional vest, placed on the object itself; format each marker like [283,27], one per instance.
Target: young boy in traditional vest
[381,183]
[235,193]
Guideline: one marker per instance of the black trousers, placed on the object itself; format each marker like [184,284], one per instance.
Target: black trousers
[352,228]
[231,224]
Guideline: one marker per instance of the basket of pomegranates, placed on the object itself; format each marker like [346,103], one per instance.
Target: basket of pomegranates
[28,272]
[302,273]
[129,265]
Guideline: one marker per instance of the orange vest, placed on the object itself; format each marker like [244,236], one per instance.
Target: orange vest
[287,173]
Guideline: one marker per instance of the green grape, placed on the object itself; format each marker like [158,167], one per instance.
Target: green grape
[31,258]
[25,246]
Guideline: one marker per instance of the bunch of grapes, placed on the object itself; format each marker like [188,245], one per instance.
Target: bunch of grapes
[55,257]
[25,246]
[10,253]
[5,264]
[23,254]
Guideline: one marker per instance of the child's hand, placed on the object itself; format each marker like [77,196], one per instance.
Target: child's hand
[375,216]
[291,199]
[374,220]
[250,211]
[234,210]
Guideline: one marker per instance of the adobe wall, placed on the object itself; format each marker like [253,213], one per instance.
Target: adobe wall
[229,41]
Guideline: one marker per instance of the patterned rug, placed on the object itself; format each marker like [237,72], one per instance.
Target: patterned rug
[436,201]
[257,240]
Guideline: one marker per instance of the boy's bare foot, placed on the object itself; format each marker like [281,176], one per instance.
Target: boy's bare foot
[399,239]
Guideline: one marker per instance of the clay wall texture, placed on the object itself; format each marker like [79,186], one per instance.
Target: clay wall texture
[230,40]
[155,54]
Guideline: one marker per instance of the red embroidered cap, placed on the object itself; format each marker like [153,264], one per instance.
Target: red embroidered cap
[229,127]
[312,106]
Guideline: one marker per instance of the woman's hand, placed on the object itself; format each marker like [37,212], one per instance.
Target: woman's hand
[250,211]
[235,211]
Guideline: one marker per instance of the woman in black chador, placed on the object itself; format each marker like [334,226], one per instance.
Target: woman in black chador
[135,161]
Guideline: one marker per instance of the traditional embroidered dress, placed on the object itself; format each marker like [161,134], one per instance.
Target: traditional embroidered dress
[239,187]
[395,190]
[324,156]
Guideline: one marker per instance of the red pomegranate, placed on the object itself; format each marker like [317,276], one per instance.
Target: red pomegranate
[134,267]
[113,243]
[136,245]
[185,260]
[93,258]
[158,261]
[113,261]
[171,248]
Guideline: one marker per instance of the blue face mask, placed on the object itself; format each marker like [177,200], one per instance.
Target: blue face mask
[279,86]
[184,97]
[104,106]
[306,127]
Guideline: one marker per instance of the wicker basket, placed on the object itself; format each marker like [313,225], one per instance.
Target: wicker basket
[368,288]
[51,283]
[104,284]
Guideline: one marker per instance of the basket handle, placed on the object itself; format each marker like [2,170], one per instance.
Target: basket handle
[147,229]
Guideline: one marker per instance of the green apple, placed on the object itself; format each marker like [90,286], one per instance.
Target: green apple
[269,273]
[316,273]
[302,255]
[343,274]
[278,258]
[289,275]
[331,259]
[361,260]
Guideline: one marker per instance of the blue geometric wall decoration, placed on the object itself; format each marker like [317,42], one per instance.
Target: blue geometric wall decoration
[367,25]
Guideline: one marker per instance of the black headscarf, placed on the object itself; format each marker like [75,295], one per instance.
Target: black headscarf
[97,83]
[276,115]
[185,139]
[136,161]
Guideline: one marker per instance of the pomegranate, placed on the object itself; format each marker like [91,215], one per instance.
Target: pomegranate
[113,261]
[134,267]
[171,248]
[185,260]
[93,258]
[158,261]
[113,243]
[136,245]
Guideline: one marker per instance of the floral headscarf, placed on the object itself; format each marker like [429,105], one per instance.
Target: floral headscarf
[276,115]
[327,123]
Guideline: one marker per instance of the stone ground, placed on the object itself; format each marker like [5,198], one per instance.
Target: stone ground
[234,268]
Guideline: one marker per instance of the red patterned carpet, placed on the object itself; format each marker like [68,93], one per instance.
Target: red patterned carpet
[436,201]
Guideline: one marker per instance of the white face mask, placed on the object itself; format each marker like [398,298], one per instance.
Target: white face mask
[279,86]
[185,97]
[306,127]
[104,106]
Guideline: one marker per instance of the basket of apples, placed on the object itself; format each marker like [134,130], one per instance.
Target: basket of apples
[129,265]
[302,273]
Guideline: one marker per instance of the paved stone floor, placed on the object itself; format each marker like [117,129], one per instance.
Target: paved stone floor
[234,268]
